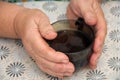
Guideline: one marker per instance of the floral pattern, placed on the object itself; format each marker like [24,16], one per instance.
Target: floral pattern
[15,69]
[16,64]
[4,52]
[115,35]
[114,76]
[61,17]
[19,43]
[114,63]
[52,77]
[105,48]
[115,11]
[95,75]
[50,6]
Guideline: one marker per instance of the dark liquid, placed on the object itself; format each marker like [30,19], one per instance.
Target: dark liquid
[69,41]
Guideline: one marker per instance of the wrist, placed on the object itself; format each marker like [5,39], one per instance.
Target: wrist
[7,16]
[17,22]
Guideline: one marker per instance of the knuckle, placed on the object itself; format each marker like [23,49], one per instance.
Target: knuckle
[59,68]
[72,70]
[42,51]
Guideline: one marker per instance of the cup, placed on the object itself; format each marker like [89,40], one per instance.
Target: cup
[75,38]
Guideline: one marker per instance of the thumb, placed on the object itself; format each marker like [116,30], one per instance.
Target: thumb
[88,13]
[46,29]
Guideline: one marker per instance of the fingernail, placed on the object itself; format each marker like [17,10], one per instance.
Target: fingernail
[50,32]
[65,61]
[70,69]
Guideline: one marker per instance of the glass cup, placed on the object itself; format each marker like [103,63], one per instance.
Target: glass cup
[75,38]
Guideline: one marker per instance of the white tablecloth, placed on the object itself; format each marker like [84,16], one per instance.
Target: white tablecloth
[15,64]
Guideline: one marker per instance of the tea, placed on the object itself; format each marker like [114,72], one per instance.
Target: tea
[70,41]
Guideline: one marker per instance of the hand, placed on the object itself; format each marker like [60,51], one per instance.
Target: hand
[92,13]
[32,26]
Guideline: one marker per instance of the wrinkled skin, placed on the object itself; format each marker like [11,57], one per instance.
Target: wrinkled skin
[32,26]
[93,15]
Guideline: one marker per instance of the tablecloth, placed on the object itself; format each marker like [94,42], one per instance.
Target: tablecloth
[16,64]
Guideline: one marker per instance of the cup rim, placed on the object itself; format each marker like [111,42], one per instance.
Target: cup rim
[91,29]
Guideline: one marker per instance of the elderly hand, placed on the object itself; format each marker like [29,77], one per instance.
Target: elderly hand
[32,26]
[92,13]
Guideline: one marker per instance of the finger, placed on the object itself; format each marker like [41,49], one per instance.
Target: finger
[45,28]
[53,72]
[101,31]
[56,74]
[94,60]
[87,12]
[48,71]
[82,10]
[58,71]
[55,67]
[42,49]
[70,13]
